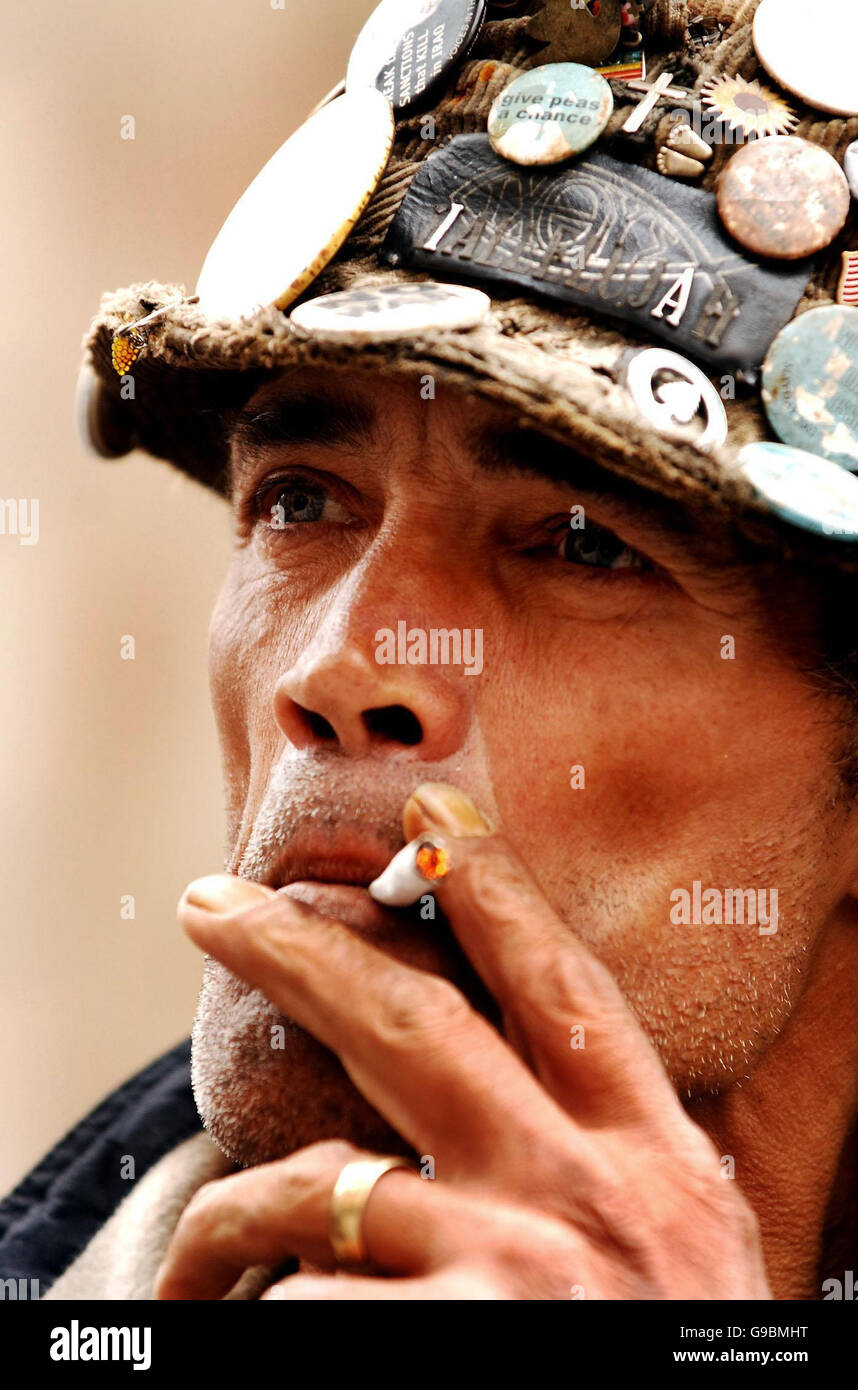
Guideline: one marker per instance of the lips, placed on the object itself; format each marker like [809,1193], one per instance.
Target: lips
[316,870]
[356,863]
[333,879]
[351,904]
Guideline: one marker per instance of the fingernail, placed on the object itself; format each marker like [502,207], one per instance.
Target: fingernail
[446,807]
[412,871]
[225,893]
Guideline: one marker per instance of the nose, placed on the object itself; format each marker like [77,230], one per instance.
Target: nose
[338,695]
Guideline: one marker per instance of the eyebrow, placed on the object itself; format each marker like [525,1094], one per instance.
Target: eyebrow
[299,421]
[530,452]
[519,449]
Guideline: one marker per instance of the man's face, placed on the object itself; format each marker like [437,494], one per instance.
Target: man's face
[622,743]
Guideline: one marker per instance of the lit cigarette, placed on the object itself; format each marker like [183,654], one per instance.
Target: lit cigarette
[411,872]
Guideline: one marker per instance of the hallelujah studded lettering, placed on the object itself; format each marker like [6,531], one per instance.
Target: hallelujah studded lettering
[600,235]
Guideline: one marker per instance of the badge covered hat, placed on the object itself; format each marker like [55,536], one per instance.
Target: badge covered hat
[633,223]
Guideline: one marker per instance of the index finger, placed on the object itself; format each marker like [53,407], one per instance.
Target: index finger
[438,1072]
[545,979]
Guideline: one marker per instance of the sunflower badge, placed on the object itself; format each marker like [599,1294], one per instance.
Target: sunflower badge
[749,107]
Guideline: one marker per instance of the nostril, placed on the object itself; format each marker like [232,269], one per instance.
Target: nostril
[394,723]
[320,726]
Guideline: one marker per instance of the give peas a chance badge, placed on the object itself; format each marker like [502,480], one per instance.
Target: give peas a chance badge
[550,113]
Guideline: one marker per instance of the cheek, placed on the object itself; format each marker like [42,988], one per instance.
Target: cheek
[244,665]
[227,659]
[630,748]
[690,769]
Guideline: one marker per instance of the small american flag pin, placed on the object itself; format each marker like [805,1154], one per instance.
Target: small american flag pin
[847,288]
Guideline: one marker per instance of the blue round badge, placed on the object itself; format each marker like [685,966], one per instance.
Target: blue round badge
[804,489]
[810,384]
[550,113]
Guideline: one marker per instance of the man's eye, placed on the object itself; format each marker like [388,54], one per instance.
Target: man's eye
[297,502]
[600,549]
[290,502]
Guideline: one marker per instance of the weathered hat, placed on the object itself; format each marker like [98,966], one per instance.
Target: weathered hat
[668,267]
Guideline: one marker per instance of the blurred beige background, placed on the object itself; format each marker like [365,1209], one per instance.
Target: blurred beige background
[110,773]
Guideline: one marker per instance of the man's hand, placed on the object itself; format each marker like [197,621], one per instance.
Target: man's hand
[560,1172]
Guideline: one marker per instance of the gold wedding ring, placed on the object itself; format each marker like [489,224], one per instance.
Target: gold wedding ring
[352,1191]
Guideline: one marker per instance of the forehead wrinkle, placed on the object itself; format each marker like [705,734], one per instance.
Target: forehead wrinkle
[421,439]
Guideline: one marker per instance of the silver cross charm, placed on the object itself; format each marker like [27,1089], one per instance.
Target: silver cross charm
[655,92]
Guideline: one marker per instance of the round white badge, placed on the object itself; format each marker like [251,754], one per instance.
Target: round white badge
[808,48]
[809,491]
[380,314]
[299,209]
[670,391]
